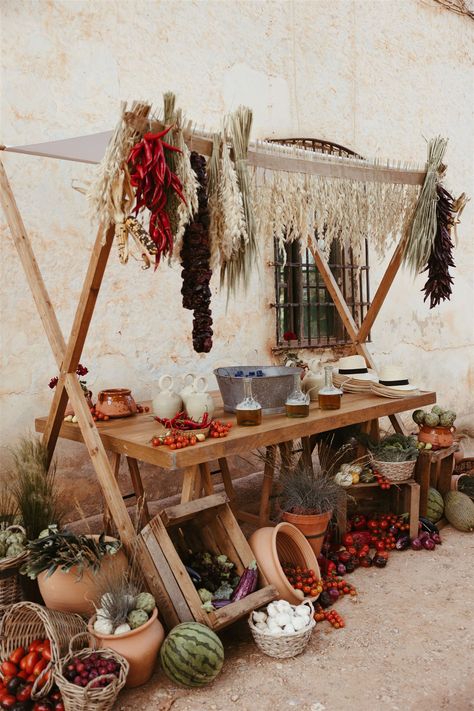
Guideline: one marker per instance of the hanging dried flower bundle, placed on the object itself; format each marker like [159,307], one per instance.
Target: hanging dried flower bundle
[155,183]
[195,260]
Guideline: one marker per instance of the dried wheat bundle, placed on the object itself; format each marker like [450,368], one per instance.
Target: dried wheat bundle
[108,193]
[424,225]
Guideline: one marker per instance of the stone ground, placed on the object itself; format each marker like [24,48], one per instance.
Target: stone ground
[408,645]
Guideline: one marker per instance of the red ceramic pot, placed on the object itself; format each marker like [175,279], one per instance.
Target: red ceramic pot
[439,437]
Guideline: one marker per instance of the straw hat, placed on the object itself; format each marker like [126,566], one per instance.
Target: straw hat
[391,376]
[355,367]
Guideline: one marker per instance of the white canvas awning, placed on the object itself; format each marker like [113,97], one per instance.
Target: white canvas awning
[82,149]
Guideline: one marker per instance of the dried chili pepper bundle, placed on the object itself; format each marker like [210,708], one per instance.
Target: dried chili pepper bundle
[195,260]
[438,286]
[155,183]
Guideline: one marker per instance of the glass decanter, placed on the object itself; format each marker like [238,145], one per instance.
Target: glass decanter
[297,402]
[249,411]
[329,397]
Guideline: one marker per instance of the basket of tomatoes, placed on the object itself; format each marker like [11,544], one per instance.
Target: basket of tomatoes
[32,640]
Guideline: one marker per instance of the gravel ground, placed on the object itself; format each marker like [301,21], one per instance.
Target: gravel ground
[408,645]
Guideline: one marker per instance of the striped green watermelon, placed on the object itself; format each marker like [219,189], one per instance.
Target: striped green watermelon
[435,506]
[192,654]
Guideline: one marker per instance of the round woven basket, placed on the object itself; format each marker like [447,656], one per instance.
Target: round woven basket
[10,588]
[80,698]
[395,471]
[26,621]
[283,646]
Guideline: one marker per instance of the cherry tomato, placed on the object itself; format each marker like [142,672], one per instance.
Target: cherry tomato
[28,662]
[9,669]
[8,701]
[39,666]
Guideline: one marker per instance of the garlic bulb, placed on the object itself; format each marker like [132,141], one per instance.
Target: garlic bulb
[272,609]
[282,619]
[299,622]
[259,617]
[303,611]
[103,626]
[288,629]
[121,629]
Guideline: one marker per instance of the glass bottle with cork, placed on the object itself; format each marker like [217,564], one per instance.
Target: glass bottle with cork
[297,402]
[329,397]
[249,411]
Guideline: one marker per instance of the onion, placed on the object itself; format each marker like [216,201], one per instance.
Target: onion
[436,538]
[423,535]
[416,544]
[334,593]
[341,569]
[429,544]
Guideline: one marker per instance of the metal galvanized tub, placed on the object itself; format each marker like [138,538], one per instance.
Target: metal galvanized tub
[271,385]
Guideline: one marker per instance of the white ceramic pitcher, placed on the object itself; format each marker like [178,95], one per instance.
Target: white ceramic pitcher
[188,387]
[313,381]
[199,401]
[167,403]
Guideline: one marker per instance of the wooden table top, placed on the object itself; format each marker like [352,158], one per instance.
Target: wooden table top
[132,436]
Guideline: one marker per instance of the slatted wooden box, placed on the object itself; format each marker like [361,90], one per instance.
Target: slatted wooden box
[206,524]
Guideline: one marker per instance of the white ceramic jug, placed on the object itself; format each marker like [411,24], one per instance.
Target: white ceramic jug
[199,402]
[167,403]
[313,381]
[188,389]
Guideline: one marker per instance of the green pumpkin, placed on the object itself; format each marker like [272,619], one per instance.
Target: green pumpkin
[459,510]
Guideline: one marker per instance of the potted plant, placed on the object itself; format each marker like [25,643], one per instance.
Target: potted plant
[126,620]
[436,428]
[65,565]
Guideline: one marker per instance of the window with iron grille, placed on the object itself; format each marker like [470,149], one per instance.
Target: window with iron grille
[303,305]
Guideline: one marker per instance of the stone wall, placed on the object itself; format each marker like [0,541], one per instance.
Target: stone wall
[378,76]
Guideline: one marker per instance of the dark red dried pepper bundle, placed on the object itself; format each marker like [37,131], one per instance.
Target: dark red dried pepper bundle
[155,183]
[438,286]
[195,260]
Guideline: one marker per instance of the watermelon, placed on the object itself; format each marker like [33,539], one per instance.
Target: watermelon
[435,506]
[192,655]
[459,510]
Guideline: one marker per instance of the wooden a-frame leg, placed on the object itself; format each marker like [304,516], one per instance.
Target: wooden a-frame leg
[107,519]
[142,506]
[227,481]
[191,483]
[206,480]
[268,474]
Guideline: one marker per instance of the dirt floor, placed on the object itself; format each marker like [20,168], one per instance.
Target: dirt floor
[408,645]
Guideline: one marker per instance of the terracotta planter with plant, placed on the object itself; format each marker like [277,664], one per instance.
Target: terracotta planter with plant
[66,565]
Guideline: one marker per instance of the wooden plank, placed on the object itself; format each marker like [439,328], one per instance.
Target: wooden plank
[31,268]
[206,479]
[230,613]
[179,571]
[414,490]
[225,543]
[106,517]
[235,533]
[175,515]
[142,506]
[154,582]
[180,606]
[191,481]
[445,473]
[267,485]
[227,480]
[55,417]
[422,477]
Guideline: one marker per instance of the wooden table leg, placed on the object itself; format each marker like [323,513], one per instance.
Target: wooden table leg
[227,480]
[414,489]
[268,474]
[445,474]
[107,518]
[206,479]
[307,452]
[142,506]
[191,483]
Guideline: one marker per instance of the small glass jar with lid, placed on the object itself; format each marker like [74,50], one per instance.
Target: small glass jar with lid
[329,397]
[249,411]
[297,402]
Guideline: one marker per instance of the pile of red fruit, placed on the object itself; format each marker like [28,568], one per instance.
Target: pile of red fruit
[333,617]
[219,429]
[382,480]
[91,668]
[303,579]
[176,440]
[20,671]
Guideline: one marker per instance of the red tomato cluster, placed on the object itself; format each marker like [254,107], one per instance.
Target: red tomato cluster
[303,579]
[333,617]
[219,429]
[382,480]
[175,440]
[20,671]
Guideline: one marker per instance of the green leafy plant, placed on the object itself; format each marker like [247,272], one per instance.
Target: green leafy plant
[66,550]
[394,448]
[34,487]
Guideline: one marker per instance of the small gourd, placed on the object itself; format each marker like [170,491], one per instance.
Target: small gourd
[145,601]
[122,629]
[103,626]
[137,618]
[343,479]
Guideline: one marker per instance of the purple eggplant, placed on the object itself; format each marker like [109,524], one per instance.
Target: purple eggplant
[428,526]
[220,603]
[247,582]
[402,543]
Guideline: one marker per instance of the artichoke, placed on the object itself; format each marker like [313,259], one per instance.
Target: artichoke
[3,536]
[15,549]
[145,601]
[419,416]
[19,538]
[437,409]
[137,618]
[432,419]
[3,549]
[447,418]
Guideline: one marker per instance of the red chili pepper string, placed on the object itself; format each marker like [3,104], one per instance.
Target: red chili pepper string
[153,179]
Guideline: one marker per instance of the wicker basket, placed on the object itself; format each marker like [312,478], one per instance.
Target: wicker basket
[465,466]
[79,698]
[26,621]
[395,471]
[283,646]
[10,588]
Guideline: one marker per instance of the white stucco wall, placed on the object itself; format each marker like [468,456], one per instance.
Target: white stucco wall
[375,75]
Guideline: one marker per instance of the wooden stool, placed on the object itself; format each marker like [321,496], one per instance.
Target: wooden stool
[404,497]
[434,468]
[138,492]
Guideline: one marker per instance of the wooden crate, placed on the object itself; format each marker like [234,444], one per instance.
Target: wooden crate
[403,497]
[205,524]
[434,468]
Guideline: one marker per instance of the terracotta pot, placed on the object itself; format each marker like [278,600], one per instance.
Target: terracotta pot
[69,408]
[313,527]
[439,437]
[140,647]
[116,402]
[284,543]
[64,592]
[455,480]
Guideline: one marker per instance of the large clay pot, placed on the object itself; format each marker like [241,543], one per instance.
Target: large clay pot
[68,593]
[272,546]
[313,527]
[439,437]
[116,402]
[140,647]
